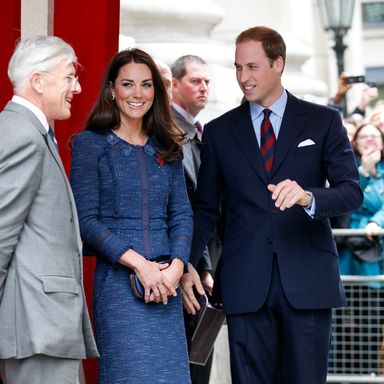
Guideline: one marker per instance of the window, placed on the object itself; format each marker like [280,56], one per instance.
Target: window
[373,14]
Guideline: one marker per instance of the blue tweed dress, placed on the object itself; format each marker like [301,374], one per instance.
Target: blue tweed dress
[127,198]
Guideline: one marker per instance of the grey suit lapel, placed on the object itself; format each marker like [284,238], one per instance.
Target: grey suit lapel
[188,162]
[56,156]
[18,108]
[15,107]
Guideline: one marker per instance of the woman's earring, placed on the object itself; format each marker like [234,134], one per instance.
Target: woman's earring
[113,97]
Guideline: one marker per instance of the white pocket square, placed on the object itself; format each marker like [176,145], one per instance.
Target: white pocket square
[306,143]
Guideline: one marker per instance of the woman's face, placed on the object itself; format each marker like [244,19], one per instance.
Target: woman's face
[369,137]
[134,90]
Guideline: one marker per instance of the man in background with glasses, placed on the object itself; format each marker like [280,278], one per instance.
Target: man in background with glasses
[44,327]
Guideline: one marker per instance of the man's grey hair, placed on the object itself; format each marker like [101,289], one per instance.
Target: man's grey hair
[38,53]
[179,67]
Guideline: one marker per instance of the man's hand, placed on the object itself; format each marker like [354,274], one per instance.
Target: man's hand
[343,88]
[367,95]
[207,281]
[188,281]
[287,193]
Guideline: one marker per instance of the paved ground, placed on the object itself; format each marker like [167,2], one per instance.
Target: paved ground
[220,367]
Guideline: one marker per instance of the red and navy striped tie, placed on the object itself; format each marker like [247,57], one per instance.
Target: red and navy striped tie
[267,141]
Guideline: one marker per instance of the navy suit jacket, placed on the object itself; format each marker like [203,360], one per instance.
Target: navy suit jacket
[255,229]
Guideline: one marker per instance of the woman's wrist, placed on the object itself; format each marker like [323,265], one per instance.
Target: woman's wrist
[178,265]
[132,259]
[364,172]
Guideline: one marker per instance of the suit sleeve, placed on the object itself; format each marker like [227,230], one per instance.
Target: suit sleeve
[205,263]
[21,164]
[180,222]
[85,186]
[207,200]
[344,193]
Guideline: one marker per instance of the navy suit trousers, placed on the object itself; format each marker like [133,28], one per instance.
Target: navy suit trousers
[279,344]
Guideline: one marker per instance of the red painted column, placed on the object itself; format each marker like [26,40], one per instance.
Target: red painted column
[10,21]
[92,28]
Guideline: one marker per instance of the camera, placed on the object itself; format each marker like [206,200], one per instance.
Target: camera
[371,84]
[355,79]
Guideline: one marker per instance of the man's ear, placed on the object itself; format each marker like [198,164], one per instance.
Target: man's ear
[175,84]
[37,82]
[278,64]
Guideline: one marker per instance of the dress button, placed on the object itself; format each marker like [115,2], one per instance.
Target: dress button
[269,240]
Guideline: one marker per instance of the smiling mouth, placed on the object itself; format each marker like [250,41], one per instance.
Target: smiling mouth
[249,87]
[136,105]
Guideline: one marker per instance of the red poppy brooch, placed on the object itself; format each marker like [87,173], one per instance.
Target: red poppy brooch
[160,159]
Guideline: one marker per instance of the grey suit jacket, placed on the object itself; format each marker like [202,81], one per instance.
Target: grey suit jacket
[42,304]
[191,165]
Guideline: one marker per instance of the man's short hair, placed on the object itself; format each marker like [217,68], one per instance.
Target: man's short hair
[38,53]
[272,42]
[179,67]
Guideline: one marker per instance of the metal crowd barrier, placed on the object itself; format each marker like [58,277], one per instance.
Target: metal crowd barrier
[357,346]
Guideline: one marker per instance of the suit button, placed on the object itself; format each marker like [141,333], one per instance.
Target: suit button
[269,240]
[274,211]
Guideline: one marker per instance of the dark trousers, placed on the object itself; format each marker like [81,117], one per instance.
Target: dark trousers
[279,344]
[199,373]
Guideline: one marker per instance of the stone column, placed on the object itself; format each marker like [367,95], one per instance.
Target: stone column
[36,17]
[169,29]
[293,19]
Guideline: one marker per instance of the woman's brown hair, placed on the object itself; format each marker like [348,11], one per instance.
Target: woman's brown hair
[157,122]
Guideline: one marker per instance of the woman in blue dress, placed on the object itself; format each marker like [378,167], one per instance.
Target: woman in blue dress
[134,214]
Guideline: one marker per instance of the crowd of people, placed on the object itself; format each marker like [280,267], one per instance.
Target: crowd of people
[168,206]
[362,255]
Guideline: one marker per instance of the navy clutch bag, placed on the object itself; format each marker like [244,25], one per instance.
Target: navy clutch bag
[136,286]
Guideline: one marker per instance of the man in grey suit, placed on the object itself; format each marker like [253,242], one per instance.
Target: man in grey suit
[190,89]
[44,328]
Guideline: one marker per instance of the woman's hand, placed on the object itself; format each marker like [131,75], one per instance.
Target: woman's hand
[369,158]
[172,273]
[372,230]
[157,287]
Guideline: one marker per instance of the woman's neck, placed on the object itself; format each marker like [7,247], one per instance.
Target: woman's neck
[132,132]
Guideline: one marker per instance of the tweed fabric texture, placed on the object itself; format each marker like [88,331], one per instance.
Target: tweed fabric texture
[126,199]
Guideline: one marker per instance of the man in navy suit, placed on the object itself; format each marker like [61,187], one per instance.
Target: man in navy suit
[279,275]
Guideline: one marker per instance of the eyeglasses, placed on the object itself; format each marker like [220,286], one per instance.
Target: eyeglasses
[72,80]
[365,137]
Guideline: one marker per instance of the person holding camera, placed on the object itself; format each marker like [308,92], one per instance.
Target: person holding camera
[369,92]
